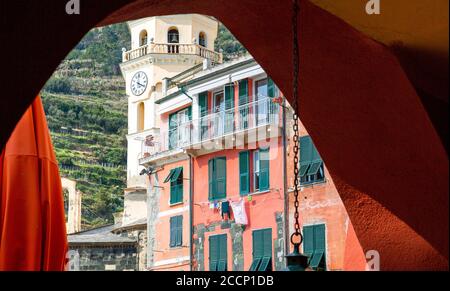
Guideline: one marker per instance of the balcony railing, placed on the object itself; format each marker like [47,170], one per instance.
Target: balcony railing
[172,48]
[266,111]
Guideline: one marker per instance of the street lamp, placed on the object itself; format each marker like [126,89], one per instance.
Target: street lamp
[296,261]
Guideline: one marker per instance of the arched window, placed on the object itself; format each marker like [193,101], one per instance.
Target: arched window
[140,116]
[143,37]
[202,39]
[158,87]
[173,35]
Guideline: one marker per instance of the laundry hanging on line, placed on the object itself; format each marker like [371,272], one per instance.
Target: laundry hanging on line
[239,212]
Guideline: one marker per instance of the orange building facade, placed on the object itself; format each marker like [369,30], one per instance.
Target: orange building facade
[328,234]
[220,178]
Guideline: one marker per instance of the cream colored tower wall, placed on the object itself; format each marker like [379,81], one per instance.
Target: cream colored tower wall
[206,25]
[158,67]
[137,26]
[135,207]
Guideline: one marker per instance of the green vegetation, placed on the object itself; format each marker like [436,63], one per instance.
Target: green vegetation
[230,46]
[86,111]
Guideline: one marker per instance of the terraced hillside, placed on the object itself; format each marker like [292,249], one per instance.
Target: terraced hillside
[86,109]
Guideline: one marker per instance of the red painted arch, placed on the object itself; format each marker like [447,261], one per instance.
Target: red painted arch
[366,119]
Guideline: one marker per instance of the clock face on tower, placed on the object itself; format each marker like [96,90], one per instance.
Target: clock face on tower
[139,83]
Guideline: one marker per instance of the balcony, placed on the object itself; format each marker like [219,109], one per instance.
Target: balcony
[243,124]
[172,49]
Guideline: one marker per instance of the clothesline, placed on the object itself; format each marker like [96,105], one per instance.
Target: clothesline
[231,199]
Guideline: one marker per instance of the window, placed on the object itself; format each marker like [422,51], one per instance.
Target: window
[140,117]
[262,250]
[179,128]
[256,170]
[202,39]
[203,111]
[203,103]
[266,111]
[229,104]
[261,170]
[311,164]
[243,99]
[143,37]
[173,36]
[272,89]
[218,252]
[176,231]
[314,246]
[244,172]
[176,185]
[217,178]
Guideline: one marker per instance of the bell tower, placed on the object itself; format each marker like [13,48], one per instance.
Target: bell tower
[161,48]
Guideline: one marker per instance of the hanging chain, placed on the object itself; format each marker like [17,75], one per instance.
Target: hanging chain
[295,60]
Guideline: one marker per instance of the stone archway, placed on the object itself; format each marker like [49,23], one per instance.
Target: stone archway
[367,120]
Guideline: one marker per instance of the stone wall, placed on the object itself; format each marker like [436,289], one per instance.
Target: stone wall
[106,258]
[236,233]
[140,234]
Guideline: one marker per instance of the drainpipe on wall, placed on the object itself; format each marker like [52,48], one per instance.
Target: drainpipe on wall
[286,192]
[191,209]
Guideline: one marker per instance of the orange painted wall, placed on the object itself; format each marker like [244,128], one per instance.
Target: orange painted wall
[260,211]
[321,204]
[162,249]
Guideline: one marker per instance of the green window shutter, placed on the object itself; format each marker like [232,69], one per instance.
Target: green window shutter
[229,96]
[316,259]
[243,91]
[176,174]
[267,242]
[221,177]
[314,168]
[262,250]
[255,264]
[305,150]
[264,165]
[213,252]
[270,88]
[189,112]
[319,237]
[203,103]
[217,175]
[303,169]
[173,121]
[265,264]
[315,156]
[169,176]
[173,189]
[229,103]
[211,179]
[173,135]
[222,246]
[180,192]
[308,239]
[258,246]
[218,252]
[172,232]
[179,240]
[222,266]
[176,186]
[244,173]
[222,252]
